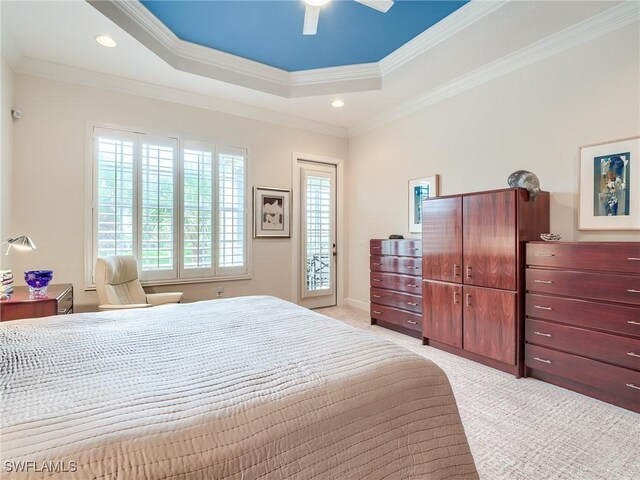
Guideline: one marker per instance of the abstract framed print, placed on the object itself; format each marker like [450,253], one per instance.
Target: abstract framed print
[420,189]
[609,191]
[271,212]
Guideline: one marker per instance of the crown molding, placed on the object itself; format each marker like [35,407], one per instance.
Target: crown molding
[141,24]
[78,76]
[438,33]
[612,19]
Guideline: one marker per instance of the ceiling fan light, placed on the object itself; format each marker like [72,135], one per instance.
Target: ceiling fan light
[317,3]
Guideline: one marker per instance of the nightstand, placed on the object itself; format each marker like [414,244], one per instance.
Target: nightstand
[59,301]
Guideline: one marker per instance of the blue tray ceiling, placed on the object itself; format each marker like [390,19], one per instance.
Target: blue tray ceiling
[270,32]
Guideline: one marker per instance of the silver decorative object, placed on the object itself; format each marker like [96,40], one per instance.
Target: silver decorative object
[550,237]
[525,179]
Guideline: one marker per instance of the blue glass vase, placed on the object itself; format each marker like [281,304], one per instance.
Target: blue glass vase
[38,281]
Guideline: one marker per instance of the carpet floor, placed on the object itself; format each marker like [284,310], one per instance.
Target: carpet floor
[525,428]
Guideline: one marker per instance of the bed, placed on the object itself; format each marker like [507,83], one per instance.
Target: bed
[242,388]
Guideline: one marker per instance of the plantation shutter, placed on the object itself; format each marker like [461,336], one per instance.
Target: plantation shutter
[197,210]
[232,251]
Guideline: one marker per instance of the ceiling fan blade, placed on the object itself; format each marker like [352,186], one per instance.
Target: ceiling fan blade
[380,5]
[311,15]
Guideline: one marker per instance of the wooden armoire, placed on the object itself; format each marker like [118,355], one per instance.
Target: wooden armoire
[473,272]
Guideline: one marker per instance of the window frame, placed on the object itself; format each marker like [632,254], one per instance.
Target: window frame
[183,141]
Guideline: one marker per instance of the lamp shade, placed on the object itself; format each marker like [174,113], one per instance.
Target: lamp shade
[22,242]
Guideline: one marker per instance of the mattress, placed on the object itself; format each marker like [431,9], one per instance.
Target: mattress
[243,388]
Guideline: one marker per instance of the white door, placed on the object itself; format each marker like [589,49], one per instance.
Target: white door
[317,235]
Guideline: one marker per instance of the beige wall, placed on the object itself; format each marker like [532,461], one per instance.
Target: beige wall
[6,128]
[49,176]
[533,119]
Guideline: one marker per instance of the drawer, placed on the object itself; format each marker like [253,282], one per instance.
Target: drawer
[405,301]
[403,265]
[582,313]
[402,283]
[399,248]
[402,318]
[595,286]
[623,257]
[617,381]
[618,350]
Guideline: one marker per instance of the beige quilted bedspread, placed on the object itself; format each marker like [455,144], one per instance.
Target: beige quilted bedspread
[243,388]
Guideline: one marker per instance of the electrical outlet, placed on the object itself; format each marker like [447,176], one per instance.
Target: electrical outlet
[220,291]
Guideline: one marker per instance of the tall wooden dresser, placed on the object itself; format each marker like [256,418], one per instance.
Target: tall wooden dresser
[583,318]
[396,287]
[473,269]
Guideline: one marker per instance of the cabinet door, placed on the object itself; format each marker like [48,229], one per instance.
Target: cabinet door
[442,312]
[489,239]
[442,239]
[490,323]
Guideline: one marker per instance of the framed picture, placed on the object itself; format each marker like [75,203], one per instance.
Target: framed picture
[271,212]
[419,189]
[609,191]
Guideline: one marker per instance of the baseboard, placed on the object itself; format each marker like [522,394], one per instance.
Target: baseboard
[359,304]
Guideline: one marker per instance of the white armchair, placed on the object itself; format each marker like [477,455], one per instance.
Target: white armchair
[119,288]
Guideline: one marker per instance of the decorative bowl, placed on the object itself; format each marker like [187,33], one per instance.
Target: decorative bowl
[38,281]
[550,237]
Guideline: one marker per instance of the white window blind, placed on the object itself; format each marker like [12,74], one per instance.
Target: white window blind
[114,226]
[197,217]
[231,204]
[158,213]
[179,206]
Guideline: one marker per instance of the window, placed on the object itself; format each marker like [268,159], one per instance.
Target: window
[178,206]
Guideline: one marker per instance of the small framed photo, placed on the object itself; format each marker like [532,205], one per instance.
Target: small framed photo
[609,191]
[419,189]
[271,212]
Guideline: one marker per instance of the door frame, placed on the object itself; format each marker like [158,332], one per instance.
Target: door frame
[296,158]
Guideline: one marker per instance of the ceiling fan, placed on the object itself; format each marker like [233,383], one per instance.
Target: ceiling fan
[312,12]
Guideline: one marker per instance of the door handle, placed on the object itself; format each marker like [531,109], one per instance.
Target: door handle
[469,271]
[456,270]
[468,300]
[456,300]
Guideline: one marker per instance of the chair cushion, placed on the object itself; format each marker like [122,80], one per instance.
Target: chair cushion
[117,280]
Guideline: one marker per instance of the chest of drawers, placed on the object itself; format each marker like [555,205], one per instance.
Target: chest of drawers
[396,285]
[582,326]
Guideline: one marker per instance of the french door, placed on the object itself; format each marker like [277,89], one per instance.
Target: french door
[317,235]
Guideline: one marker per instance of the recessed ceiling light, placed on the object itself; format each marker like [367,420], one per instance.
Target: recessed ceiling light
[106,41]
[337,103]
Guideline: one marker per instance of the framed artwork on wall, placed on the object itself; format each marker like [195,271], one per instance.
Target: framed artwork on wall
[419,189]
[271,212]
[609,190]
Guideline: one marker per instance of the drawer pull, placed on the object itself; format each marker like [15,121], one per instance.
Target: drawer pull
[468,302]
[415,268]
[375,296]
[412,322]
[542,307]
[633,354]
[376,264]
[633,323]
[376,280]
[376,248]
[542,360]
[376,312]
[469,272]
[456,270]
[545,254]
[542,281]
[412,304]
[456,300]
[634,258]
[631,290]
[412,285]
[543,334]
[631,385]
